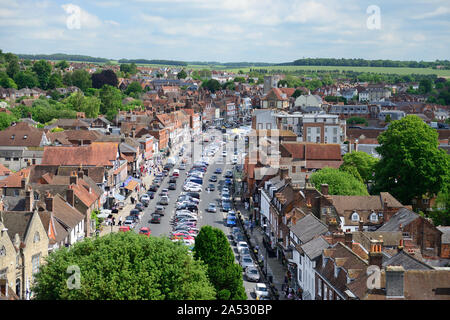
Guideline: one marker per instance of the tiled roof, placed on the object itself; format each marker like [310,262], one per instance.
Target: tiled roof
[308,228]
[21,134]
[313,249]
[95,154]
[402,217]
[15,180]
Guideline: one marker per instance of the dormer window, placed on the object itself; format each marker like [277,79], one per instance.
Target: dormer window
[355,216]
[25,136]
[37,238]
[13,136]
[373,217]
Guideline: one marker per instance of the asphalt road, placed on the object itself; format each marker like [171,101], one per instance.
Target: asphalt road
[218,219]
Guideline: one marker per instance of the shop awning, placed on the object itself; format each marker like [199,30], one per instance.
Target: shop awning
[131,185]
[119,197]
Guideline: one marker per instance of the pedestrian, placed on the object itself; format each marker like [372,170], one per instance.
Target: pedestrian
[252,225]
[120,220]
[113,221]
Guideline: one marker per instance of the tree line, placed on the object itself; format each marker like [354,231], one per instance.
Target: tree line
[366,63]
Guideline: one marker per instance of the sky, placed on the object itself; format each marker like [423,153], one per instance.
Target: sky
[229,30]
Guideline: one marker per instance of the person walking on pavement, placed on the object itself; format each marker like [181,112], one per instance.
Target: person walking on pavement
[120,220]
[113,221]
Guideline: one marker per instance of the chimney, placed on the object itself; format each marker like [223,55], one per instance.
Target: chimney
[394,281]
[333,225]
[283,173]
[361,225]
[29,200]
[287,180]
[73,178]
[324,189]
[49,202]
[23,183]
[338,237]
[80,174]
[400,246]
[348,239]
[375,255]
[70,196]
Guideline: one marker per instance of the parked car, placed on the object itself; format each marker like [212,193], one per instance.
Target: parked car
[252,274]
[188,206]
[145,199]
[229,174]
[164,200]
[246,261]
[211,187]
[226,206]
[244,251]
[261,291]
[193,195]
[218,171]
[173,180]
[145,231]
[213,178]
[192,188]
[240,245]
[182,166]
[124,228]
[212,207]
[135,212]
[159,210]
[151,194]
[153,187]
[156,218]
[172,186]
[139,206]
[238,238]
[231,221]
[130,221]
[176,173]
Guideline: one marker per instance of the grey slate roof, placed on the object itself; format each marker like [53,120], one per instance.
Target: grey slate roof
[13,203]
[314,248]
[402,217]
[308,228]
[17,222]
[445,234]
[406,261]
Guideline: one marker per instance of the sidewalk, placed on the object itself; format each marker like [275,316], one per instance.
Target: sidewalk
[275,270]
[147,181]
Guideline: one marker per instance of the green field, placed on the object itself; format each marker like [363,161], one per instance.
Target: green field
[385,70]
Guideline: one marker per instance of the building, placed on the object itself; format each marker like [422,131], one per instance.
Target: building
[323,128]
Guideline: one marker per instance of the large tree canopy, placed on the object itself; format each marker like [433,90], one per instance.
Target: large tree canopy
[43,70]
[411,164]
[362,162]
[104,77]
[212,247]
[339,182]
[124,266]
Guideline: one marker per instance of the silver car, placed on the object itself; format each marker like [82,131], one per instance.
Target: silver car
[252,274]
[246,261]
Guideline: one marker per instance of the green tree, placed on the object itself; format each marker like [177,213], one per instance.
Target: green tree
[43,71]
[441,209]
[6,120]
[13,68]
[103,77]
[362,162]
[387,119]
[89,105]
[6,81]
[213,248]
[26,79]
[111,99]
[81,79]
[55,81]
[182,74]
[62,65]
[124,266]
[425,86]
[357,120]
[212,85]
[134,87]
[128,68]
[339,182]
[411,164]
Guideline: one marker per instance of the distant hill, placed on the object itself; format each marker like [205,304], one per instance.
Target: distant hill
[62,56]
[162,62]
[366,63]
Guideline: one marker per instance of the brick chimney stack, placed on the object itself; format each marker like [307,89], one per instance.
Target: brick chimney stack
[70,196]
[73,178]
[395,282]
[375,255]
[29,199]
[348,239]
[49,202]
[324,189]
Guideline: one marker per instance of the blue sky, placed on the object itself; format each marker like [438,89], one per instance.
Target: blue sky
[228,30]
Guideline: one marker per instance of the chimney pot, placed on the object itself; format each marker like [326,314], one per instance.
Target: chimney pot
[324,189]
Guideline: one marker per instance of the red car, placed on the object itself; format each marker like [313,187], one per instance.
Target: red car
[124,229]
[180,236]
[146,231]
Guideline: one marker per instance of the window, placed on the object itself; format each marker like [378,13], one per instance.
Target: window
[37,238]
[334,139]
[16,159]
[319,287]
[373,217]
[8,159]
[300,275]
[293,169]
[35,262]
[268,126]
[355,216]
[325,292]
[2,251]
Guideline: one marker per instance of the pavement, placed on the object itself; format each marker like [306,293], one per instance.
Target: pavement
[274,277]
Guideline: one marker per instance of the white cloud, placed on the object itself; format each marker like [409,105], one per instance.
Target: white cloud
[438,12]
[86,19]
